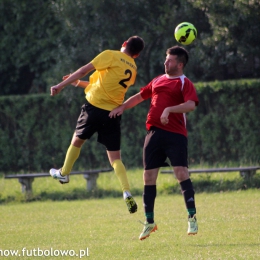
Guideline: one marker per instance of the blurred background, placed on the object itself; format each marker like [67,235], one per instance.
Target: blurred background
[43,40]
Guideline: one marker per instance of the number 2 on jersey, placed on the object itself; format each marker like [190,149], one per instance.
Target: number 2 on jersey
[122,82]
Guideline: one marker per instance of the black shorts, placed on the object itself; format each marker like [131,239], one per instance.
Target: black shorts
[93,119]
[160,144]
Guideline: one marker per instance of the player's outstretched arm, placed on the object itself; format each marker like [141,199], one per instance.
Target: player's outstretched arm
[77,83]
[80,73]
[129,103]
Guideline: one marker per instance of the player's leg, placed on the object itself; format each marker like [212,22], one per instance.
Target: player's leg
[153,158]
[72,155]
[109,134]
[188,193]
[178,155]
[116,162]
[149,195]
[83,131]
[120,171]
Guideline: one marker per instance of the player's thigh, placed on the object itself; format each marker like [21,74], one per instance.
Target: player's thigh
[109,134]
[87,122]
[176,150]
[153,151]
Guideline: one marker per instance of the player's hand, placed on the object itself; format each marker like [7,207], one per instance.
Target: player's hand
[55,90]
[164,117]
[164,120]
[73,83]
[117,111]
[65,77]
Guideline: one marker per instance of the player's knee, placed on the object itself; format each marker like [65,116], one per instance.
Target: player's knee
[150,177]
[76,141]
[181,173]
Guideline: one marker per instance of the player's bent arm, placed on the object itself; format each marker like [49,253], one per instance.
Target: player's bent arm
[182,108]
[82,84]
[77,83]
[80,73]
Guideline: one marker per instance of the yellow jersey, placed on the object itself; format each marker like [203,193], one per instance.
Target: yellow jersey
[115,73]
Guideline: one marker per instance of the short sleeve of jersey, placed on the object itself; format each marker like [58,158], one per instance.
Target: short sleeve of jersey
[189,92]
[146,92]
[103,60]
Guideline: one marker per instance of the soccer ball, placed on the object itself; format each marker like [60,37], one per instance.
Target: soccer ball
[185,33]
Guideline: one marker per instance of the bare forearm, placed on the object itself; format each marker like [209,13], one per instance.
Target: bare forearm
[132,101]
[182,108]
[82,84]
[80,73]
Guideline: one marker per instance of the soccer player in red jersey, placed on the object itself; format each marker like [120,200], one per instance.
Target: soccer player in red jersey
[172,96]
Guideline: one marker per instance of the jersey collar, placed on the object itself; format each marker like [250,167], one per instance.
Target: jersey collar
[169,77]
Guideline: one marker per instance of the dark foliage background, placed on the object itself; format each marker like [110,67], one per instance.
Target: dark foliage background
[35,130]
[43,40]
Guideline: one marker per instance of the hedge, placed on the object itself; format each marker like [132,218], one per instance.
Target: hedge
[225,127]
[36,130]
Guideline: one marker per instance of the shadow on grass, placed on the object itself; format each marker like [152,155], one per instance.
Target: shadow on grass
[225,244]
[76,194]
[204,184]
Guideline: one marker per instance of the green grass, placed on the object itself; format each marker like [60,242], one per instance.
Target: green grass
[66,217]
[45,189]
[228,228]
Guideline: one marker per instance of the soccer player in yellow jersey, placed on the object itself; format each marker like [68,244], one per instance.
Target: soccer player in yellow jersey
[115,72]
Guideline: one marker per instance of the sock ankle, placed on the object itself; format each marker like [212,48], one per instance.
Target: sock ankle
[149,217]
[150,220]
[126,194]
[191,212]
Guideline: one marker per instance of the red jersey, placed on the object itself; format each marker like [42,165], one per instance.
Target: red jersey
[166,91]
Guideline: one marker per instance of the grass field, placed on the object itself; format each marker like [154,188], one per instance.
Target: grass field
[103,228]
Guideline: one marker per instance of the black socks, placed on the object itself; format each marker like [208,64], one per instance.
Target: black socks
[149,196]
[188,194]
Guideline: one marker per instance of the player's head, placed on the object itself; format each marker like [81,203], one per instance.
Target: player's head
[181,53]
[133,46]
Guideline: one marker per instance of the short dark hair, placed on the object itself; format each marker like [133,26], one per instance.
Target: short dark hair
[181,53]
[135,45]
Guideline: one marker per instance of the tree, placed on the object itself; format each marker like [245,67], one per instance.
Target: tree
[28,31]
[232,50]
[98,25]
[43,40]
